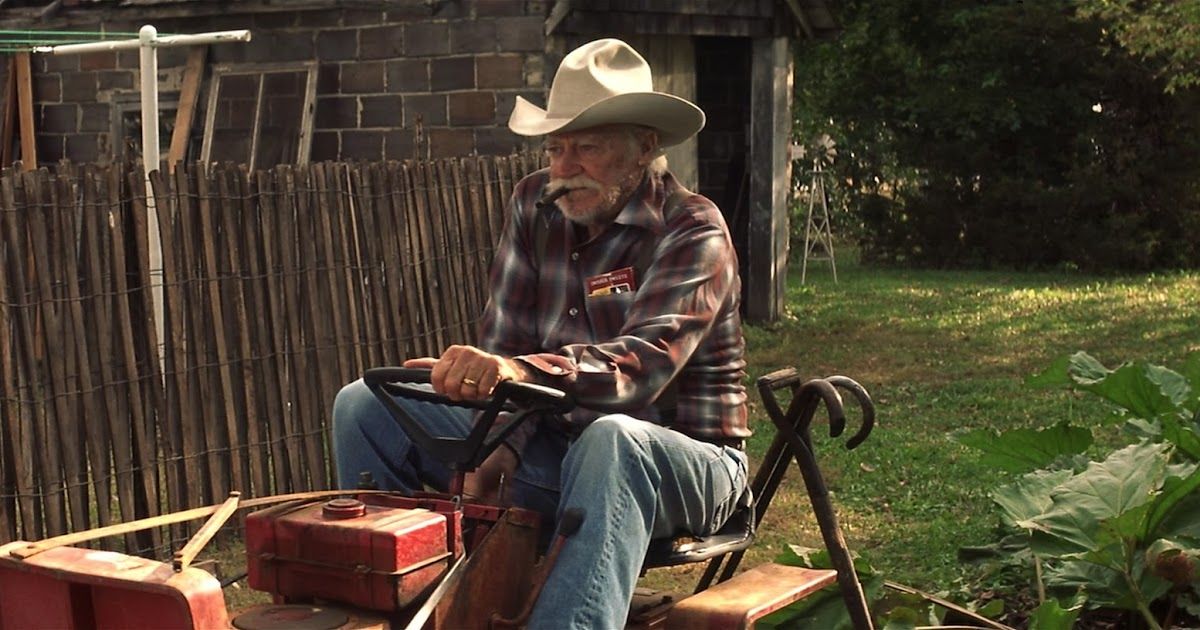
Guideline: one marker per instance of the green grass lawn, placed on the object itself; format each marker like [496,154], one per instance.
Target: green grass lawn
[941,350]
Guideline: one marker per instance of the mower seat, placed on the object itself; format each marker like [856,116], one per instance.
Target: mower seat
[735,535]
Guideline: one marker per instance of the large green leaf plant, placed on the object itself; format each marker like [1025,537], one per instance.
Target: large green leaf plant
[1121,532]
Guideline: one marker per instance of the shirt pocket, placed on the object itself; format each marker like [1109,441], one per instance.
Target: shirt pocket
[608,313]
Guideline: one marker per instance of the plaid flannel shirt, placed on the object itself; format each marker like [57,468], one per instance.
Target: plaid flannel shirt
[618,348]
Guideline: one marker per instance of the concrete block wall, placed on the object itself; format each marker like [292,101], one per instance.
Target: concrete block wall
[415,81]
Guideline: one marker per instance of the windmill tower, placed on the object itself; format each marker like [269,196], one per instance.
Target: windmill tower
[818,235]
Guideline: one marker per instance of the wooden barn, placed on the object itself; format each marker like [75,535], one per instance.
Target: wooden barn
[383,80]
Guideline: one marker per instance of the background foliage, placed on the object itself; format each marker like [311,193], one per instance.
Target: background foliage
[1013,134]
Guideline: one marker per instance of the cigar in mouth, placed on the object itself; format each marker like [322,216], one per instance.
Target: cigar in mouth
[550,196]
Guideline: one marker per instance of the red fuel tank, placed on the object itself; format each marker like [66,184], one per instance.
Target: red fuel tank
[380,558]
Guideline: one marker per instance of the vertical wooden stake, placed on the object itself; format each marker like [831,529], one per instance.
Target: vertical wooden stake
[8,117]
[25,103]
[186,112]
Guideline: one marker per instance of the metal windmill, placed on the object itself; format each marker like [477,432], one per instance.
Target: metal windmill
[818,235]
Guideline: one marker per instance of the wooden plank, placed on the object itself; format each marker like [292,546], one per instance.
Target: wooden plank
[34,512]
[447,219]
[349,246]
[289,471]
[318,330]
[504,180]
[449,251]
[491,199]
[325,190]
[8,117]
[177,420]
[61,446]
[483,221]
[216,315]
[185,114]
[459,232]
[127,392]
[100,327]
[397,251]
[765,269]
[25,109]
[90,409]
[303,383]
[345,270]
[16,493]
[267,367]
[245,387]
[388,244]
[476,243]
[460,235]
[10,462]
[131,405]
[206,455]
[480,221]
[369,205]
[61,247]
[146,395]
[423,339]
[369,286]
[719,8]
[432,267]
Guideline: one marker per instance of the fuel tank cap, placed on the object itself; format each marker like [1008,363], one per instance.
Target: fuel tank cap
[337,509]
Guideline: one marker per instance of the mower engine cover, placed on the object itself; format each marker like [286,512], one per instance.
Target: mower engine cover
[375,557]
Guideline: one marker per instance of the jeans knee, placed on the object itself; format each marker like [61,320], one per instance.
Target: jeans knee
[350,408]
[610,441]
[612,431]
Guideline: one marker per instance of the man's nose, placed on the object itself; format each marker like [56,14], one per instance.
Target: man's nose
[566,164]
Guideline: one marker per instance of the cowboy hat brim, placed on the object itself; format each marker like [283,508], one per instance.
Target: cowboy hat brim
[675,118]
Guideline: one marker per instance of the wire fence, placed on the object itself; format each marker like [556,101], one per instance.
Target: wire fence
[128,391]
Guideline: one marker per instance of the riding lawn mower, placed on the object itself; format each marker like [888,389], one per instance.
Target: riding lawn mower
[377,559]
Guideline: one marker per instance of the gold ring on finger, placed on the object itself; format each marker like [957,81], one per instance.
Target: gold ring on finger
[470,381]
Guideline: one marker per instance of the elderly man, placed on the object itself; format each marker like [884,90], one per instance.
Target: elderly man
[624,293]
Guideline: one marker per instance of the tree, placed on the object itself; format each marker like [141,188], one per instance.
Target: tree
[1164,32]
[1002,134]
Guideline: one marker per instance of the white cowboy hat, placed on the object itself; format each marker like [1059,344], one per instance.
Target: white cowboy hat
[605,82]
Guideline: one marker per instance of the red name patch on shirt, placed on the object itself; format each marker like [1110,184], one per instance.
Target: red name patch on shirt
[615,281]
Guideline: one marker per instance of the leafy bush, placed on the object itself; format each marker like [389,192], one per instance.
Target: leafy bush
[1003,134]
[1119,532]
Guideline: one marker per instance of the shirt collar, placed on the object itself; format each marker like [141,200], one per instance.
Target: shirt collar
[645,207]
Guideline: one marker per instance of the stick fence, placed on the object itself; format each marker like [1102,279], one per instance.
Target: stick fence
[278,287]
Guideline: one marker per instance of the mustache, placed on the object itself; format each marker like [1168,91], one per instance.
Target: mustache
[557,188]
[552,194]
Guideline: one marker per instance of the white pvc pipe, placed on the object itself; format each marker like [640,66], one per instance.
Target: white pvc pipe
[147,44]
[215,37]
[148,66]
[149,70]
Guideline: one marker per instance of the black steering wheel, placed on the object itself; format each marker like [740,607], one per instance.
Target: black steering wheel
[463,454]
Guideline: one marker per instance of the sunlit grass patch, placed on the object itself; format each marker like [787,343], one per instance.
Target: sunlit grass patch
[942,350]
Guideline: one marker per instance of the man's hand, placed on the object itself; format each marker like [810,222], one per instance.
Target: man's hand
[468,373]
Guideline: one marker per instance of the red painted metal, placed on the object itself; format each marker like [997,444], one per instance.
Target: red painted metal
[380,560]
[69,587]
[737,603]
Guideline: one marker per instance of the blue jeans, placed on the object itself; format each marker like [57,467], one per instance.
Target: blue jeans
[636,481]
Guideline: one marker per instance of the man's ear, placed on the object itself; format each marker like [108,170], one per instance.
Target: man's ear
[648,144]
